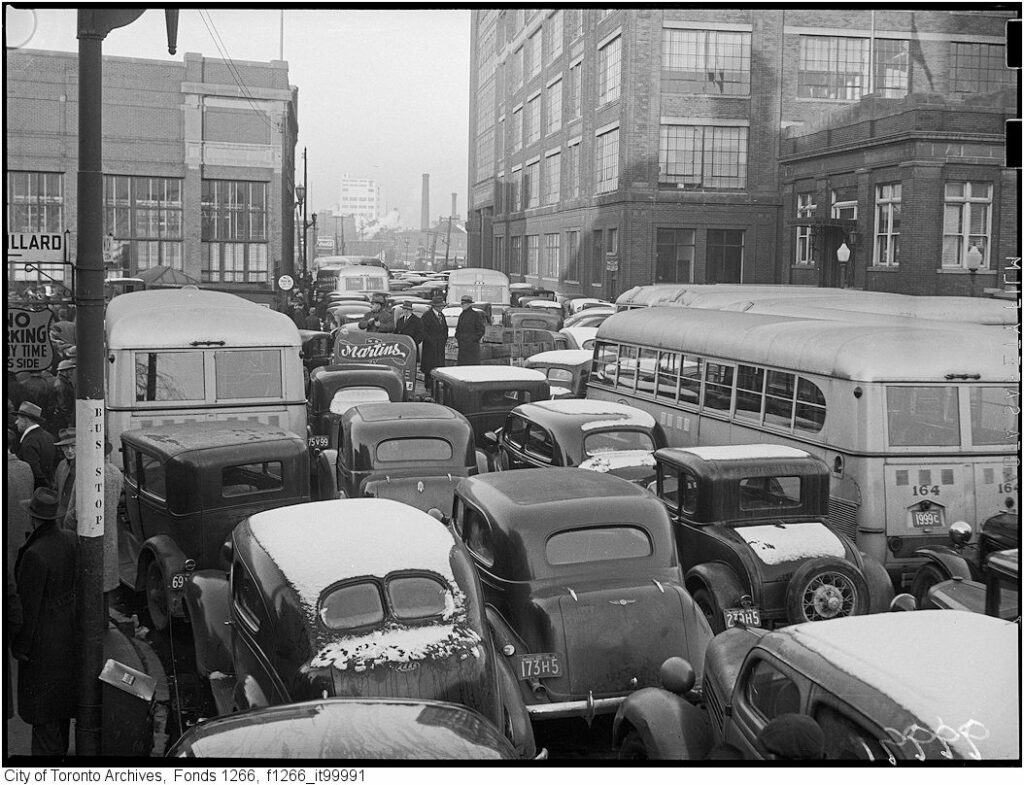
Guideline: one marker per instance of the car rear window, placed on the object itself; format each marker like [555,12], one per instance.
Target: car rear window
[252,478]
[603,441]
[352,605]
[578,546]
[405,450]
[559,375]
[418,597]
[348,397]
[765,493]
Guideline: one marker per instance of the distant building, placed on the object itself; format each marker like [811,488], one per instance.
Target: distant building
[360,198]
[610,148]
[196,177]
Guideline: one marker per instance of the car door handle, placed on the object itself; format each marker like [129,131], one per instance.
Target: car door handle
[229,623]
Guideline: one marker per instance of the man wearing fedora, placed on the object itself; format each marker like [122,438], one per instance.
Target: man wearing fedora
[36,446]
[408,323]
[64,474]
[64,396]
[435,336]
[45,648]
[36,387]
[469,332]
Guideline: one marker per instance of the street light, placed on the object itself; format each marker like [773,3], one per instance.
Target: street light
[843,255]
[300,201]
[974,258]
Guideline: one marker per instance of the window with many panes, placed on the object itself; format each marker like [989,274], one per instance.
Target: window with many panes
[572,255]
[35,204]
[892,68]
[832,67]
[532,55]
[515,256]
[844,203]
[515,190]
[517,129]
[887,224]
[703,156]
[553,107]
[574,93]
[805,207]
[606,161]
[609,70]
[499,253]
[725,255]
[533,254]
[532,120]
[553,35]
[979,68]
[552,260]
[485,155]
[966,222]
[708,61]
[674,255]
[235,215]
[531,185]
[146,212]
[572,162]
[552,178]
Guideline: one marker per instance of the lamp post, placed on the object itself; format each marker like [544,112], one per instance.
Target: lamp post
[973,259]
[843,255]
[300,201]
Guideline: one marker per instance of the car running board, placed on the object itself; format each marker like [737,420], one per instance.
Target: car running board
[222,685]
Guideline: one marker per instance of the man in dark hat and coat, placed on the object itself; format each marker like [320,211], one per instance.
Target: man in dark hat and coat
[435,336]
[408,323]
[469,332]
[63,396]
[380,319]
[36,446]
[45,573]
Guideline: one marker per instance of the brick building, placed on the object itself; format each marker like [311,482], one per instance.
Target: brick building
[611,148]
[198,162]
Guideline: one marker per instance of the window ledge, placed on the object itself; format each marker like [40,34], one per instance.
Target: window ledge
[803,266]
[883,268]
[961,271]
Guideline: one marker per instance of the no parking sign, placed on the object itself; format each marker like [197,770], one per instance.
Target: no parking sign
[28,340]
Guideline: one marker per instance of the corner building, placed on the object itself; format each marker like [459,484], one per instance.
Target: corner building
[611,148]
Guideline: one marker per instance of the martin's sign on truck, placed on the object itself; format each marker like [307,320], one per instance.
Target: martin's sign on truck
[28,340]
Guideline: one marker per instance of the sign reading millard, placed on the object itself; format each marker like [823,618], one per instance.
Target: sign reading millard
[36,247]
[28,340]
[388,349]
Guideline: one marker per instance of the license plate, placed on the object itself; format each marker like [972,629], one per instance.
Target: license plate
[751,617]
[923,519]
[539,666]
[318,441]
[178,581]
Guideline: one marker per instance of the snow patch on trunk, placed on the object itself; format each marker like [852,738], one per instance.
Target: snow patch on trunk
[777,544]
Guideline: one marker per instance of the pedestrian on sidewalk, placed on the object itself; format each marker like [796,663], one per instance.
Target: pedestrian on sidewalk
[64,474]
[45,648]
[36,446]
[20,484]
[469,332]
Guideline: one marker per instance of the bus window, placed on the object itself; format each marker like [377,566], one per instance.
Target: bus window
[749,392]
[253,373]
[668,375]
[778,400]
[627,367]
[605,364]
[923,416]
[169,376]
[689,381]
[994,413]
[810,407]
[646,368]
[718,386]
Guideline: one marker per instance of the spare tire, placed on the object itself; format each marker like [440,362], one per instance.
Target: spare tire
[826,588]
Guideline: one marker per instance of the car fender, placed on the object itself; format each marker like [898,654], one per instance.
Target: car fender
[671,728]
[162,549]
[720,579]
[512,703]
[208,598]
[326,474]
[483,462]
[949,561]
[880,590]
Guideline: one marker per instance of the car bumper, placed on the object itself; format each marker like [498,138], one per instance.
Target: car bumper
[587,708]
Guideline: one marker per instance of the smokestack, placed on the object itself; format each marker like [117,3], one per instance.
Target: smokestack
[455,205]
[425,208]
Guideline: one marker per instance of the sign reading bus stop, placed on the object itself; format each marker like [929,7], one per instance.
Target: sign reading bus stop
[28,340]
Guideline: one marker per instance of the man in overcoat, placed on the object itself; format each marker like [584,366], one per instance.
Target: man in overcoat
[469,332]
[45,647]
[36,446]
[20,484]
[408,323]
[435,336]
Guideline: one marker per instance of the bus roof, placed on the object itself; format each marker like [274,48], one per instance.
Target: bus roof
[163,318]
[468,275]
[874,349]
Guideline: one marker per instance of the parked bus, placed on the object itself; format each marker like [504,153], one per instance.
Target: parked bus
[327,268]
[180,355]
[918,423]
[482,284]
[821,303]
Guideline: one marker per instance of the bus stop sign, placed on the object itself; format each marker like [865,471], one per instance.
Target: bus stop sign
[28,340]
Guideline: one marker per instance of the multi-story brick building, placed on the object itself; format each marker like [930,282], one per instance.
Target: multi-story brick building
[360,198]
[198,162]
[619,147]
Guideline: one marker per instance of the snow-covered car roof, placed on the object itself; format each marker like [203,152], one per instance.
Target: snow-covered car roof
[608,412]
[744,452]
[561,357]
[487,373]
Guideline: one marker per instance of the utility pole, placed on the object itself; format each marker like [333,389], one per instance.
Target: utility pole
[448,240]
[93,26]
[302,199]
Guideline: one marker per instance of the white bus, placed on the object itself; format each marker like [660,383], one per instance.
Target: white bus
[481,283]
[181,355]
[918,423]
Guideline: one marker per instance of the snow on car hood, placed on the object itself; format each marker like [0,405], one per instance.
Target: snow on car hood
[618,459]
[777,544]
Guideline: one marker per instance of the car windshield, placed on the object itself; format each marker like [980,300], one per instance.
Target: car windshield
[352,605]
[405,450]
[608,441]
[414,597]
[559,375]
[579,546]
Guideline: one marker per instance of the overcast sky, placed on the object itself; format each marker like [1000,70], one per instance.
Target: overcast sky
[383,94]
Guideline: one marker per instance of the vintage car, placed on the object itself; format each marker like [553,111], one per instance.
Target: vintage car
[316,348]
[485,394]
[580,337]
[567,370]
[354,598]
[538,318]
[186,486]
[583,591]
[333,389]
[391,350]
[862,679]
[349,729]
[572,306]
[998,595]
[520,292]
[589,317]
[410,452]
[963,558]
[345,313]
[753,536]
[598,435]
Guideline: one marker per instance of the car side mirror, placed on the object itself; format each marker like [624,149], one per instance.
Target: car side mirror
[903,602]
[227,552]
[491,438]
[677,675]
